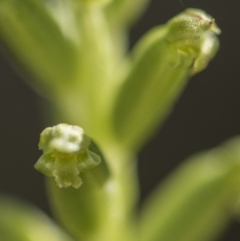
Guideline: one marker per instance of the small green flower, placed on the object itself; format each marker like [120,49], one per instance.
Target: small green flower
[65,154]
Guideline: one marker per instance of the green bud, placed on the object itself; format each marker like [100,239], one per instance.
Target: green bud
[195,31]
[186,29]
[65,154]
[161,64]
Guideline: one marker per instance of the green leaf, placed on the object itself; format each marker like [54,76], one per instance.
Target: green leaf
[21,222]
[43,42]
[158,71]
[196,202]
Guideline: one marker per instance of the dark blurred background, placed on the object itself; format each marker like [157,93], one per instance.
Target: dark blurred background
[206,114]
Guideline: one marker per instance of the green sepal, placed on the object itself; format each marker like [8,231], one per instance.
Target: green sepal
[88,161]
[22,222]
[45,165]
[160,65]
[197,200]
[66,172]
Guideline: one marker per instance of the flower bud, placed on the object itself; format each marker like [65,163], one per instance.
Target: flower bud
[187,28]
[162,62]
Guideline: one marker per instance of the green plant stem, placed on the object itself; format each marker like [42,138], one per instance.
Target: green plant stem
[123,194]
